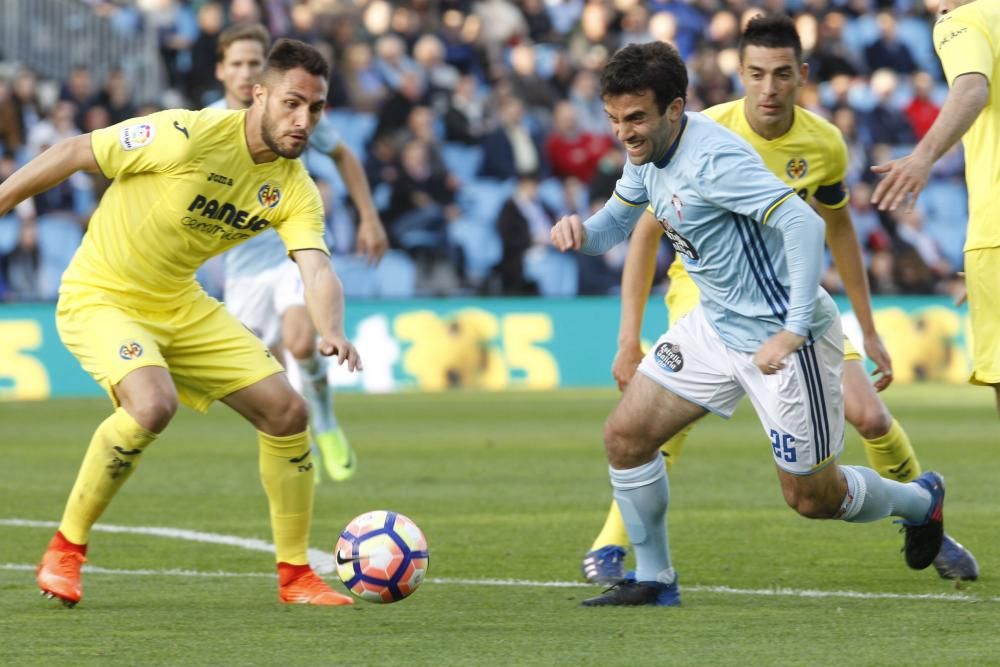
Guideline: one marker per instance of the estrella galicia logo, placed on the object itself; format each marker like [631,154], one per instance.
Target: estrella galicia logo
[668,357]
[797,168]
[269,195]
[130,350]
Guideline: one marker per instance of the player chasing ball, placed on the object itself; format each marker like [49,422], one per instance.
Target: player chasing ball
[763,327]
[808,153]
[132,313]
[263,289]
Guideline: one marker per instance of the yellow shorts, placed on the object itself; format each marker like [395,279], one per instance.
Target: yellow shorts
[682,297]
[208,353]
[982,282]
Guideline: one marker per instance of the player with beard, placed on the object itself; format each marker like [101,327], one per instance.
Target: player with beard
[189,185]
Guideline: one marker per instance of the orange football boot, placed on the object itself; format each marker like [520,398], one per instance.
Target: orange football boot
[58,575]
[298,584]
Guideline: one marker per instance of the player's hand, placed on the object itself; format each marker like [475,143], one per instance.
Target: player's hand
[625,364]
[343,349]
[961,291]
[880,357]
[903,180]
[372,241]
[770,358]
[568,233]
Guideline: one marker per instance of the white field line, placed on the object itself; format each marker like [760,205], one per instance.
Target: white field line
[323,563]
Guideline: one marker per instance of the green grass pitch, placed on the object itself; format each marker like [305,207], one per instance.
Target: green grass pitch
[510,489]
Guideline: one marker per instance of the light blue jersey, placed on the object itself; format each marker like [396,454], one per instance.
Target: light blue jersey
[266,251]
[754,249]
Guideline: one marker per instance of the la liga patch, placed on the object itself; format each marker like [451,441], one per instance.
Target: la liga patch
[136,136]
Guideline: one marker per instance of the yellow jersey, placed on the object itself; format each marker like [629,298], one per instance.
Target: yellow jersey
[811,157]
[967,40]
[185,189]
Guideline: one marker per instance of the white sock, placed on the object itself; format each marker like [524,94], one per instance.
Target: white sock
[316,390]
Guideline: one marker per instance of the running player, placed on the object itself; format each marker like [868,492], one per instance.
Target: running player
[967,40]
[189,185]
[262,287]
[763,327]
[809,154]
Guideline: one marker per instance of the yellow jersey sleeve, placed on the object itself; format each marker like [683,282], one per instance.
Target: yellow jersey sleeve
[832,193]
[143,145]
[302,229]
[963,44]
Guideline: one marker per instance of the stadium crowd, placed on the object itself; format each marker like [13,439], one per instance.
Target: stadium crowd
[480,123]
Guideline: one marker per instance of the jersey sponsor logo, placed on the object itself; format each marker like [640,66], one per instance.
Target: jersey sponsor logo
[225,212]
[219,178]
[269,195]
[130,350]
[136,136]
[680,244]
[180,128]
[797,168]
[668,357]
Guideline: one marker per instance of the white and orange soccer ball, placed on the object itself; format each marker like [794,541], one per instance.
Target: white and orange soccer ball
[381,556]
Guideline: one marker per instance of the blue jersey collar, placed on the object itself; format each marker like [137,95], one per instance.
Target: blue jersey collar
[662,162]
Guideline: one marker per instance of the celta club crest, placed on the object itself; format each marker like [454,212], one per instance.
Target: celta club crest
[269,195]
[130,350]
[796,168]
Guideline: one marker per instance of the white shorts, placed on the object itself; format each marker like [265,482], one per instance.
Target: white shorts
[261,300]
[801,407]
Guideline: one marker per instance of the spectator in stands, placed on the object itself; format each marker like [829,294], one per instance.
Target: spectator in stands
[572,152]
[846,121]
[524,225]
[11,137]
[832,57]
[440,77]
[202,87]
[535,91]
[116,97]
[887,51]
[420,208]
[20,268]
[465,114]
[885,124]
[363,88]
[514,147]
[538,22]
[910,230]
[71,199]
[584,94]
[922,109]
[392,61]
[460,33]
[79,90]
[400,103]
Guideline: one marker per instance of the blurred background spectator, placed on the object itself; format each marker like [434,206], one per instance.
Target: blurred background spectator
[479,123]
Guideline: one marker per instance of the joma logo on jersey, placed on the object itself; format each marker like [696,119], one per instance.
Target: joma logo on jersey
[796,168]
[219,178]
[227,213]
[269,195]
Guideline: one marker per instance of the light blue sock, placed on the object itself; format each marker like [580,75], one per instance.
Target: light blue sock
[643,494]
[871,497]
[316,391]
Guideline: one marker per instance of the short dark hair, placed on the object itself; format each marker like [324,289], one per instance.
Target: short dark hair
[774,31]
[238,33]
[288,54]
[652,66]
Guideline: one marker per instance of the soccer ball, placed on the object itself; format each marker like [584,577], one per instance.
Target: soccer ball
[381,556]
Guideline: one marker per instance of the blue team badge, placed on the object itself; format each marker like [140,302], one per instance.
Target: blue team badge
[797,168]
[130,350]
[668,357]
[269,195]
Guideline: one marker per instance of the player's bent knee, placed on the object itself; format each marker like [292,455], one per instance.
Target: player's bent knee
[287,416]
[153,413]
[874,421]
[812,506]
[301,347]
[623,448]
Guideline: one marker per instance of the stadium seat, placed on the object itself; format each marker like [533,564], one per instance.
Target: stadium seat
[461,160]
[946,215]
[480,244]
[556,274]
[10,227]
[355,275]
[551,192]
[354,127]
[395,277]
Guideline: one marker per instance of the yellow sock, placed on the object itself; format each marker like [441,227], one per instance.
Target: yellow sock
[287,472]
[613,531]
[892,455]
[111,458]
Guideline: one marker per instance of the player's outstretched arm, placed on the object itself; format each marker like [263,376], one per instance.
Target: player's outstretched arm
[47,170]
[325,301]
[906,177]
[372,239]
[637,278]
[843,243]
